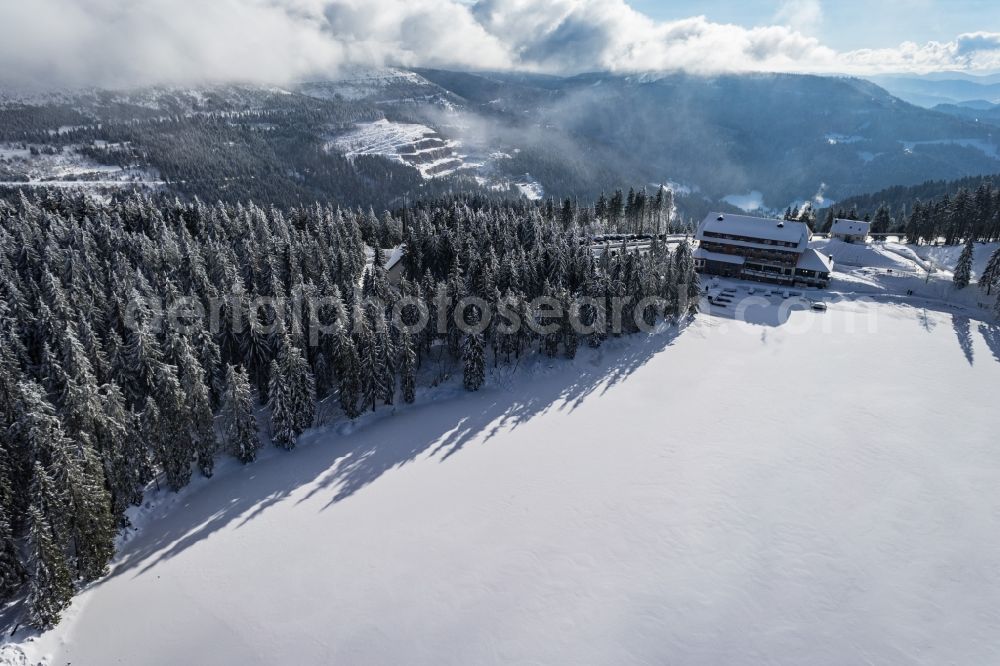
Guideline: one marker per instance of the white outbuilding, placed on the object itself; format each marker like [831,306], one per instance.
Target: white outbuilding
[851,231]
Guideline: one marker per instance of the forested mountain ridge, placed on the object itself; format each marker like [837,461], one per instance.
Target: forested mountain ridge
[228,143]
[984,112]
[383,137]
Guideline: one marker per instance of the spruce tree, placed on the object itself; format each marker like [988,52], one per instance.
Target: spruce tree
[150,428]
[238,418]
[95,526]
[408,367]
[302,387]
[882,221]
[11,571]
[371,368]
[201,426]
[570,338]
[125,452]
[350,379]
[387,356]
[963,269]
[175,447]
[51,586]
[68,485]
[279,401]
[474,372]
[142,357]
[991,274]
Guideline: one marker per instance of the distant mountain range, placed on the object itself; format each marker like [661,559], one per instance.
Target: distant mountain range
[380,137]
[931,90]
[976,110]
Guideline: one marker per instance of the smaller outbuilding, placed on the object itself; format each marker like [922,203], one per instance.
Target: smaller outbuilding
[394,264]
[851,231]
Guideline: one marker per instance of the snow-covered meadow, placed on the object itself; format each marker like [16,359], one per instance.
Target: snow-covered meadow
[69,168]
[822,491]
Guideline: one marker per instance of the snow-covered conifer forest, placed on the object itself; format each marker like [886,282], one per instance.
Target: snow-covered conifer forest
[147,343]
[141,336]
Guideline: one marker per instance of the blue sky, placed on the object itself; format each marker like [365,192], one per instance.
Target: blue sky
[846,24]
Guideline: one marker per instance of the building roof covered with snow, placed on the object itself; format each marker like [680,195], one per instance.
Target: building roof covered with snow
[757,248]
[756,232]
[843,227]
[811,260]
[393,256]
[702,253]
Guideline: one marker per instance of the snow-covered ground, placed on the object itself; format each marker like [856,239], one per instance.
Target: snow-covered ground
[530,188]
[893,269]
[68,168]
[416,145]
[433,155]
[821,491]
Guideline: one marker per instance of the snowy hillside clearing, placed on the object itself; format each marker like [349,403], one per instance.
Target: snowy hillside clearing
[416,145]
[530,188]
[66,168]
[427,151]
[821,492]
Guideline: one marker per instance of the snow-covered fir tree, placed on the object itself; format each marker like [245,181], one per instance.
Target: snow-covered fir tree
[963,269]
[279,401]
[349,374]
[201,427]
[239,422]
[474,368]
[408,367]
[51,585]
[991,274]
[175,449]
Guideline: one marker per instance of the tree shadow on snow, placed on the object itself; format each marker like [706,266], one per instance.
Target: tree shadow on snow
[991,335]
[344,463]
[963,331]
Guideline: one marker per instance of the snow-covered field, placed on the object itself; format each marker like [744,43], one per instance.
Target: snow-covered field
[416,145]
[825,491]
[69,168]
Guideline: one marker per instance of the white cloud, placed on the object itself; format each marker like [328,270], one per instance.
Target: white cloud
[804,15]
[121,42]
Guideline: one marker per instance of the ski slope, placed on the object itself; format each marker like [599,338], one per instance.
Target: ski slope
[822,492]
